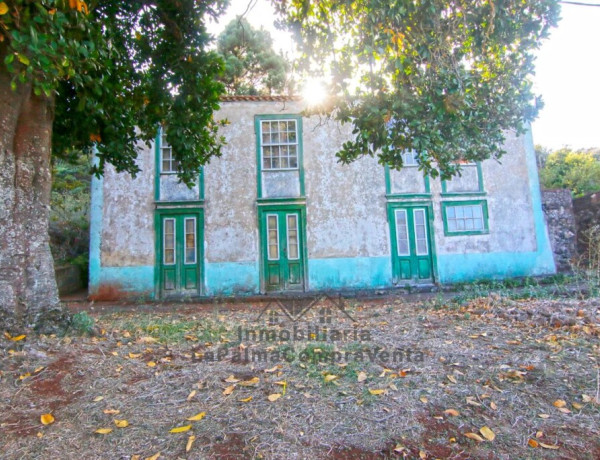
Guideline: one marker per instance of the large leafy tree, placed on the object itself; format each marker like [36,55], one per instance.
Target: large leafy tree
[445,78]
[76,75]
[252,66]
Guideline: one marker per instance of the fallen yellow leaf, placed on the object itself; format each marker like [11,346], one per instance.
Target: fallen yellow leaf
[376,392]
[103,430]
[111,411]
[452,412]
[487,433]
[533,443]
[559,403]
[451,378]
[227,391]
[191,395]
[3,8]
[181,429]
[151,364]
[121,423]
[274,397]
[362,376]
[330,377]
[154,457]
[197,417]
[577,406]
[493,405]
[18,338]
[543,416]
[248,399]
[423,399]
[190,441]
[98,398]
[252,381]
[47,419]
[134,355]
[470,400]
[474,436]
[548,446]
[231,379]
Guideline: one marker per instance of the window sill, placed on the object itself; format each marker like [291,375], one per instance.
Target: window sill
[459,194]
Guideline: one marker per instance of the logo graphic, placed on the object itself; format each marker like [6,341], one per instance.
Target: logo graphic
[324,307]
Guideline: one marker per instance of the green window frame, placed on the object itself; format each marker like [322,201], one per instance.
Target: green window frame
[159,145]
[465,217]
[480,190]
[279,141]
[168,164]
[258,123]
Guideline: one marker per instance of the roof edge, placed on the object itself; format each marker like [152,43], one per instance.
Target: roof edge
[260,98]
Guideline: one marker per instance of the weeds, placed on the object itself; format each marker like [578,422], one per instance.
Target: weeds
[82,323]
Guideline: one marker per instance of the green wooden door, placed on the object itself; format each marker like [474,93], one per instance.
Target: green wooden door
[180,255]
[411,248]
[282,250]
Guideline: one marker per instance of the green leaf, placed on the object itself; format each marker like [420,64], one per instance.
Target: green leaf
[23,59]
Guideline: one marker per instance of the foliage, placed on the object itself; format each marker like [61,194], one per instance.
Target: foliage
[577,170]
[82,323]
[115,70]
[445,78]
[251,64]
[69,209]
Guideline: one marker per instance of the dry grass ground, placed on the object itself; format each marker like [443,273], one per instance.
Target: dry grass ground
[527,370]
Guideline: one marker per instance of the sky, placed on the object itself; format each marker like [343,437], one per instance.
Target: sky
[567,71]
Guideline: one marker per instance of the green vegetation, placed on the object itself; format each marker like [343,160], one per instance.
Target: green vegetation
[251,64]
[82,323]
[576,170]
[444,78]
[69,212]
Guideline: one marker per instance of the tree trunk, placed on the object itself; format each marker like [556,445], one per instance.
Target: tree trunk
[28,292]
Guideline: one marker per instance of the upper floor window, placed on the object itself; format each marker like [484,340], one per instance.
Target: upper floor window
[168,163]
[409,158]
[279,144]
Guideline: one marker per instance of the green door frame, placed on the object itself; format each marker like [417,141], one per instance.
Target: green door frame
[391,208]
[263,210]
[159,215]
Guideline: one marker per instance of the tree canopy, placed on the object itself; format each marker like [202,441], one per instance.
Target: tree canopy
[115,70]
[576,170]
[445,78]
[252,66]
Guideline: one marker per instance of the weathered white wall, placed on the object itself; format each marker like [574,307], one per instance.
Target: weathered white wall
[345,204]
[128,214]
[511,223]
[230,189]
[347,229]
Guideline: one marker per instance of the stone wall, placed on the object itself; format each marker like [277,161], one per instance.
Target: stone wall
[560,218]
[587,215]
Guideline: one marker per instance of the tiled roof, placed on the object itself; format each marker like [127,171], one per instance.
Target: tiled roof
[260,98]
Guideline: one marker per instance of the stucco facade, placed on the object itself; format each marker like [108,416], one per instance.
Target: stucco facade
[277,212]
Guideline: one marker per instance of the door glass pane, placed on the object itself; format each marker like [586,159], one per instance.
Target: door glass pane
[420,232]
[402,233]
[292,237]
[190,240]
[169,241]
[272,237]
